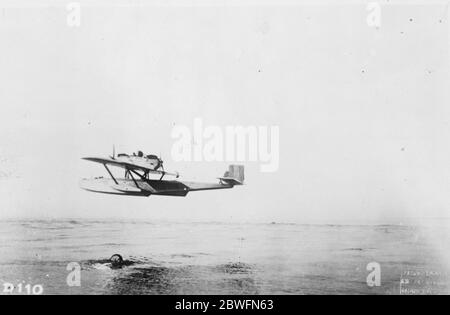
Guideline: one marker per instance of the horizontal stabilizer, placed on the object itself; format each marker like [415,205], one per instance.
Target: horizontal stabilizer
[234,175]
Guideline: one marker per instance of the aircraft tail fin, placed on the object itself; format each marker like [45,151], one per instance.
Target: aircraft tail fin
[234,175]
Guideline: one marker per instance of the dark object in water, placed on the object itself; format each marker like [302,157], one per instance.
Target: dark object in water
[355,249]
[116,260]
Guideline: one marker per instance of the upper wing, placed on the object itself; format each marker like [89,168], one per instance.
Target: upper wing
[123,164]
[135,165]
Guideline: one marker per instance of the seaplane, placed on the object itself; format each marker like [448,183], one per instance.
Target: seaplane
[145,176]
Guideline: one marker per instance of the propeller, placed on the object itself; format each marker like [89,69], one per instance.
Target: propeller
[114,153]
[161,162]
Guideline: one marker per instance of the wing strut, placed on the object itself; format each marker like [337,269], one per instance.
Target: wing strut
[137,174]
[134,180]
[115,181]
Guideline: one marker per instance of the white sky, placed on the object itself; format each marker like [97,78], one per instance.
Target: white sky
[363,113]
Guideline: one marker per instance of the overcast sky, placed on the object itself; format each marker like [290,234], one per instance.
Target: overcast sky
[363,112]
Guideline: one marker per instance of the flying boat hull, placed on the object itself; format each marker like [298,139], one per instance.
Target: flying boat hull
[145,188]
